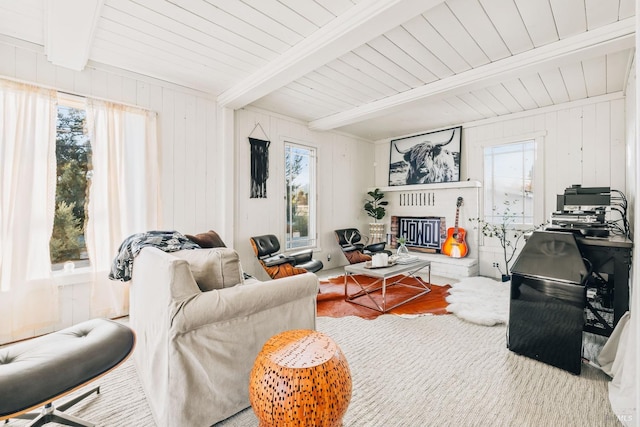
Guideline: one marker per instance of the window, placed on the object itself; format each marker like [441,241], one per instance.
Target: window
[73,177]
[509,182]
[300,174]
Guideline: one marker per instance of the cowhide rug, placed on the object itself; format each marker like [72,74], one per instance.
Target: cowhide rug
[331,300]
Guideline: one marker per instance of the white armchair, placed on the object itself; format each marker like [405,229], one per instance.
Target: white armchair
[196,348]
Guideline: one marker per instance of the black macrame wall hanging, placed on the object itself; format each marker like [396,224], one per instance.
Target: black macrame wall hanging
[259,165]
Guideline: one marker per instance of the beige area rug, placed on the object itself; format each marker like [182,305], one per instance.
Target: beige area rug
[425,371]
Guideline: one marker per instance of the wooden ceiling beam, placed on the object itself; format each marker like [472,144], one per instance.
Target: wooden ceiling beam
[614,37]
[363,22]
[69,29]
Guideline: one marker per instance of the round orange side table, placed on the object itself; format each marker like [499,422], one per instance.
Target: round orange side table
[300,378]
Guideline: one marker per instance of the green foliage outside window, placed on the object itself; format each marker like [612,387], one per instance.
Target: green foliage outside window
[65,243]
[300,194]
[293,167]
[73,158]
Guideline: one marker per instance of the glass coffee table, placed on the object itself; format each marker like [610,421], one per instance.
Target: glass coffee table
[382,274]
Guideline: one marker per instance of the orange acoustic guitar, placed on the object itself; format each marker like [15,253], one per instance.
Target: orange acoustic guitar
[455,245]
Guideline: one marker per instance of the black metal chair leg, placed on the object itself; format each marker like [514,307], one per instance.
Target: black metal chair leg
[53,414]
[73,401]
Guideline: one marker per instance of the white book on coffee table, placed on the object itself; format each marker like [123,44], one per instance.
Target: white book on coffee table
[407,259]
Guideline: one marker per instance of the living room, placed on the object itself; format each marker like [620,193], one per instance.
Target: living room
[205,179]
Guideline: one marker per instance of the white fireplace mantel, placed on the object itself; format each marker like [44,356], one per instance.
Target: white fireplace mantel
[428,187]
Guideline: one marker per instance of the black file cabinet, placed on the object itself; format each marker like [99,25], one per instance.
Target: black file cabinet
[548,299]
[561,285]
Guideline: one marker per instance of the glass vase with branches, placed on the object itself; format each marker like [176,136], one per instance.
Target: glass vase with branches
[505,230]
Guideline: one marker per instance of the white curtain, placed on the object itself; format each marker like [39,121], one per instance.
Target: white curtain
[28,294]
[618,360]
[124,194]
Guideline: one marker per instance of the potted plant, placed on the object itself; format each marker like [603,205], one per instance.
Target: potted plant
[507,234]
[374,206]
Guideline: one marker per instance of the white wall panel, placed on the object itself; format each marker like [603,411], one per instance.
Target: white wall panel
[574,160]
[552,184]
[591,159]
[621,131]
[630,110]
[602,138]
[25,63]
[115,87]
[177,154]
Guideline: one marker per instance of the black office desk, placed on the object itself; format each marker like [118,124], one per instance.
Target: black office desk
[611,259]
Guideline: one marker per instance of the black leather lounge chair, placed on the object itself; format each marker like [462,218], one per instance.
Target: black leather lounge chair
[267,250]
[355,251]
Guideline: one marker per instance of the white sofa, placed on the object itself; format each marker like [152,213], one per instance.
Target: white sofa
[195,349]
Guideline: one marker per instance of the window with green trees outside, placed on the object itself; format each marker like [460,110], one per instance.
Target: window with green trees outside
[73,166]
[300,178]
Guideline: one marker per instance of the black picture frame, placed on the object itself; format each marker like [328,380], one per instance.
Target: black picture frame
[427,158]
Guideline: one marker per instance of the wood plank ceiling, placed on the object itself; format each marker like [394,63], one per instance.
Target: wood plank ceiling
[373,68]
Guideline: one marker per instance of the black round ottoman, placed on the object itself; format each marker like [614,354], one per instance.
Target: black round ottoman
[35,372]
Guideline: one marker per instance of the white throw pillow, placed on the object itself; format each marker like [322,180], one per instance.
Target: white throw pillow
[215,268]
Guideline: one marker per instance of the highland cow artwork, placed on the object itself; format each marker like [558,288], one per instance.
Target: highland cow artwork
[426,158]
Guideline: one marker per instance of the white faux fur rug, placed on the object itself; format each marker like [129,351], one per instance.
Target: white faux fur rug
[480,300]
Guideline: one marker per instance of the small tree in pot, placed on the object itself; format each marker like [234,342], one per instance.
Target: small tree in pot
[374,207]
